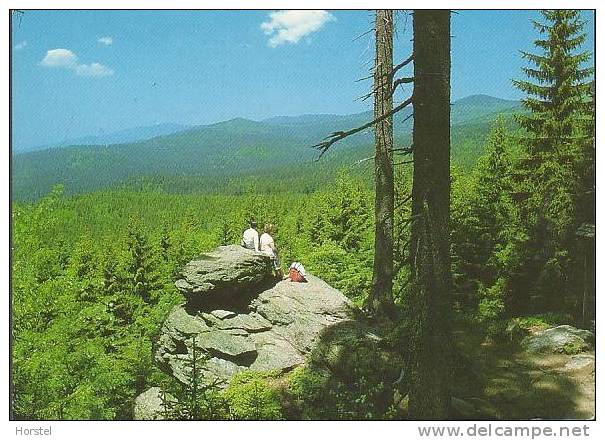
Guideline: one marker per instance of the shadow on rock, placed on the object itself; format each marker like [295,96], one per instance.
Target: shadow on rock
[511,381]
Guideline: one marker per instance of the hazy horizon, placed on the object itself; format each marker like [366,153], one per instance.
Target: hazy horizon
[101,72]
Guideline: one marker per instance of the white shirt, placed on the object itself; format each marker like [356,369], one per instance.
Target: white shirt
[266,243]
[250,239]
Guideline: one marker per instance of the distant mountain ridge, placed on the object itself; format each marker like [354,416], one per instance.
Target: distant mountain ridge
[239,147]
[463,110]
[134,134]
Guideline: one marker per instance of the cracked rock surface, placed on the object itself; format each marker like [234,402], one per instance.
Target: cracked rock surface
[243,319]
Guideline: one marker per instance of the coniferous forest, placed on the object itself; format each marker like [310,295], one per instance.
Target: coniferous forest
[459,243]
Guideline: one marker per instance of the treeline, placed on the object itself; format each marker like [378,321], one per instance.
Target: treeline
[93,275]
[533,203]
[521,245]
[193,166]
[93,278]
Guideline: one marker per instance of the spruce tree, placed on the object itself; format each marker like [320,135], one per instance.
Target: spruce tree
[225,232]
[549,175]
[141,268]
[483,220]
[165,243]
[558,99]
[84,271]
[492,205]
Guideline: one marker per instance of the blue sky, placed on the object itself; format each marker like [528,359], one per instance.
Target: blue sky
[77,73]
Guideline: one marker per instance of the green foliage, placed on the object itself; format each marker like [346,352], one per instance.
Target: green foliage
[306,383]
[93,275]
[514,219]
[491,300]
[543,320]
[142,276]
[252,396]
[550,175]
[197,399]
[93,278]
[339,231]
[321,395]
[512,330]
[576,347]
[307,387]
[346,377]
[82,338]
[557,100]
[502,331]
[273,156]
[483,222]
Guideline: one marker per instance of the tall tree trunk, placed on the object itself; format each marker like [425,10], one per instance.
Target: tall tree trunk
[430,297]
[380,300]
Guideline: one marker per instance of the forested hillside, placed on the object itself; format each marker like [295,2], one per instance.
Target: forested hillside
[76,258]
[450,256]
[236,153]
[119,137]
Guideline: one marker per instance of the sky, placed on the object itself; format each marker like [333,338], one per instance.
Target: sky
[80,73]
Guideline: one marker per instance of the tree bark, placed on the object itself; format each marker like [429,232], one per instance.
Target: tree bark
[429,369]
[380,300]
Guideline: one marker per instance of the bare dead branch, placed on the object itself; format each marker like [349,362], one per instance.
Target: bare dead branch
[404,201]
[408,117]
[364,34]
[400,81]
[405,162]
[405,80]
[340,135]
[364,78]
[365,97]
[407,150]
[402,64]
[359,162]
[394,86]
[392,73]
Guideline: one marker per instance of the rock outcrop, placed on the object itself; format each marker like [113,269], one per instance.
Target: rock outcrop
[148,405]
[561,339]
[583,362]
[243,319]
[229,275]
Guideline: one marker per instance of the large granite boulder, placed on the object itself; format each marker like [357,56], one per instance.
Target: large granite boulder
[561,339]
[273,331]
[223,275]
[149,406]
[581,363]
[300,311]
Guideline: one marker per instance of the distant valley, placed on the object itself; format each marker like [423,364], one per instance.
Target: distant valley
[209,157]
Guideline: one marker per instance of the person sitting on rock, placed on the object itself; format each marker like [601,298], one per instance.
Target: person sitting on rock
[267,245]
[251,240]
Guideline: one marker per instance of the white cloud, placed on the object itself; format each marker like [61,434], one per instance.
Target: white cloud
[60,58]
[290,26]
[94,69]
[107,41]
[66,59]
[21,45]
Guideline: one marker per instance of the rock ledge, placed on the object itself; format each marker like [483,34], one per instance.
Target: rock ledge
[243,319]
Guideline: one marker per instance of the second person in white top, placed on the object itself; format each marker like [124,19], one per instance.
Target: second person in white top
[267,245]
